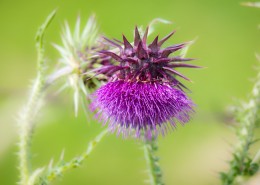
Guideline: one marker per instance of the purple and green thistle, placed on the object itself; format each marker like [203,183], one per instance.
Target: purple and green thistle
[142,93]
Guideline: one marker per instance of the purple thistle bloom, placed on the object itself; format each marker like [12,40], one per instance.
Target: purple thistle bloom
[143,93]
[141,106]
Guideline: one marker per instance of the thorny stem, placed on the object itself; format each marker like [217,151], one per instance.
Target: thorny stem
[63,166]
[155,172]
[242,164]
[27,115]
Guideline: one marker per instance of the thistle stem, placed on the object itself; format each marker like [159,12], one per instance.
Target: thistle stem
[25,124]
[242,164]
[155,172]
[75,162]
[25,121]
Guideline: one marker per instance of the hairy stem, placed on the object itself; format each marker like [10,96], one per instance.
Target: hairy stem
[242,164]
[62,166]
[25,121]
[155,172]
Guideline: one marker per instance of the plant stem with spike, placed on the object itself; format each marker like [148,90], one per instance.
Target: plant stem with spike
[25,121]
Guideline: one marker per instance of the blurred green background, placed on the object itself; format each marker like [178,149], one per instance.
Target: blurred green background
[228,39]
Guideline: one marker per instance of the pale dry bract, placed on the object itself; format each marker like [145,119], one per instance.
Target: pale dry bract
[76,57]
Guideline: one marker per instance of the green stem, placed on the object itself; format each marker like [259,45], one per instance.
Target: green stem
[242,164]
[75,162]
[155,172]
[26,118]
[25,124]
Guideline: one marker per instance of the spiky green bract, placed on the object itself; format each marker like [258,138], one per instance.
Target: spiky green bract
[77,54]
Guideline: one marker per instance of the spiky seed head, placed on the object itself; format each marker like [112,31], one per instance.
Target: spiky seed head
[78,57]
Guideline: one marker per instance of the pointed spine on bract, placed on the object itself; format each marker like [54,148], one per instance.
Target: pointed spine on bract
[78,59]
[146,63]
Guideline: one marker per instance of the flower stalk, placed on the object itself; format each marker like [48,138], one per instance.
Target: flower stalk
[28,114]
[155,172]
[62,166]
[242,164]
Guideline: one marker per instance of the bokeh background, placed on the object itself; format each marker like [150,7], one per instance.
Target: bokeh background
[228,39]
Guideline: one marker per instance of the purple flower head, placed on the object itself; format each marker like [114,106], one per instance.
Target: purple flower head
[143,93]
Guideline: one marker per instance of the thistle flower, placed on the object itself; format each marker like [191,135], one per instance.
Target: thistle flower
[78,55]
[143,93]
